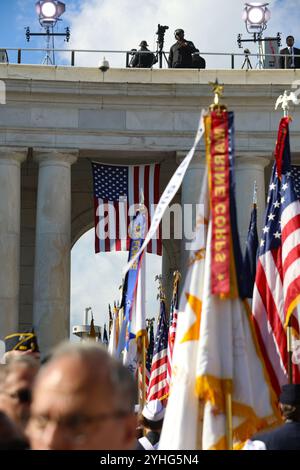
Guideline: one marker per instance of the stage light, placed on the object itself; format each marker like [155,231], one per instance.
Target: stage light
[48,9]
[49,12]
[256,15]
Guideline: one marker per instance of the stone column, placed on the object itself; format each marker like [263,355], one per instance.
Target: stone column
[190,195]
[51,309]
[10,207]
[247,170]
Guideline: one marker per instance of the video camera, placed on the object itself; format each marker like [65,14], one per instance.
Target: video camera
[161,30]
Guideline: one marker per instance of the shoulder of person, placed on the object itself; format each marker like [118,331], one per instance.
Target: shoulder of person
[264,436]
[139,446]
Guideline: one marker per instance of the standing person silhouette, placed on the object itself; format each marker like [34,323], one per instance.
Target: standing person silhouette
[181,52]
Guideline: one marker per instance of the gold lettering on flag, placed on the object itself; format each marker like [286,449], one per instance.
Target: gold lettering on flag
[219,196]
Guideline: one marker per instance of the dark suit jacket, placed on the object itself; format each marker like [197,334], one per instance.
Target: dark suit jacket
[153,438]
[286,437]
[181,56]
[143,59]
[285,61]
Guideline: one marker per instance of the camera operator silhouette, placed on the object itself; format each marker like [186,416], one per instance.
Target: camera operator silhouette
[181,52]
[143,58]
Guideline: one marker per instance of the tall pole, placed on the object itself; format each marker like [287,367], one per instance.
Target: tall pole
[290,351]
[200,425]
[160,55]
[228,401]
[143,370]
[53,52]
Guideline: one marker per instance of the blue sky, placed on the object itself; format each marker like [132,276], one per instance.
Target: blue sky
[121,24]
[16,16]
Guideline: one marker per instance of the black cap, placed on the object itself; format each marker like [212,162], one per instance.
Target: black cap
[179,30]
[144,43]
[21,342]
[290,394]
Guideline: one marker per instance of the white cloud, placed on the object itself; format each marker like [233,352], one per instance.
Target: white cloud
[212,25]
[95,280]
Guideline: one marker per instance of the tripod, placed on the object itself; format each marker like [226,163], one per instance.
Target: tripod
[160,54]
[160,45]
[247,62]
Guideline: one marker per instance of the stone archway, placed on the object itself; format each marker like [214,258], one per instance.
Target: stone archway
[52,112]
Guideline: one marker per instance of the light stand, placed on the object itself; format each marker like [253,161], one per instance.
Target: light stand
[257,38]
[49,13]
[256,16]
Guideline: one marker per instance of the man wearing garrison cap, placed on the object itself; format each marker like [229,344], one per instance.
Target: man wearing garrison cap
[287,436]
[152,421]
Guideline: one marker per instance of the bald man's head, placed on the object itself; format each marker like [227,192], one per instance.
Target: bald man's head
[87,397]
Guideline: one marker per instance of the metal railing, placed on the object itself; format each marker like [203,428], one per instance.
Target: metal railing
[73,54]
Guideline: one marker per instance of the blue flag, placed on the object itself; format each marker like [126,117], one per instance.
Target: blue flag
[249,263]
[137,238]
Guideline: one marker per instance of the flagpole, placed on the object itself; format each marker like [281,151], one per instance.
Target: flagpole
[143,370]
[229,427]
[200,425]
[290,351]
[255,194]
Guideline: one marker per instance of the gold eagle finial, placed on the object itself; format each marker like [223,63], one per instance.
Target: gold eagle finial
[218,93]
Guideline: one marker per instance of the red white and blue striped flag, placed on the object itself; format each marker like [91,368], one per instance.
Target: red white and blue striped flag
[277,284]
[117,191]
[158,384]
[172,326]
[149,355]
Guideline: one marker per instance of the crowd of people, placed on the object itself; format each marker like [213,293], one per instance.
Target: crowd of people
[81,398]
[78,398]
[184,54]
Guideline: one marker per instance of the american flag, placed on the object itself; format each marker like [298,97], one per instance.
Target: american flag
[172,329]
[149,355]
[277,283]
[158,386]
[117,189]
[296,178]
